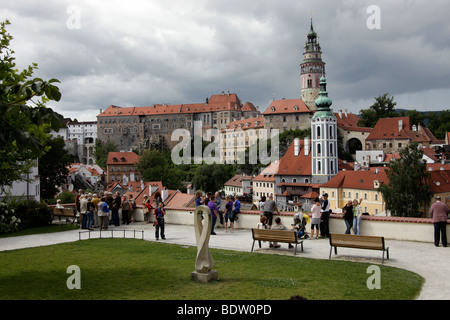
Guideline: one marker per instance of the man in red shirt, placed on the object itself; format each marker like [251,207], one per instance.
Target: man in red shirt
[439,212]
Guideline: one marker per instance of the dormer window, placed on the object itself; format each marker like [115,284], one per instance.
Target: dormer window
[122,159]
[295,108]
[273,109]
[115,160]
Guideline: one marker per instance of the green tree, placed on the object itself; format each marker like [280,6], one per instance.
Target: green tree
[407,190]
[53,168]
[439,123]
[384,107]
[24,129]
[101,151]
[157,165]
[211,178]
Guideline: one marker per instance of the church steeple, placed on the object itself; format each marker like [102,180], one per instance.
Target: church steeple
[312,68]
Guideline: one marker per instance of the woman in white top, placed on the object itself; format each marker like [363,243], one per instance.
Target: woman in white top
[357,216]
[315,219]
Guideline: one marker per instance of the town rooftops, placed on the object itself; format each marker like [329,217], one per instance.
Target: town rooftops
[119,158]
[287,106]
[244,124]
[217,102]
[363,180]
[399,128]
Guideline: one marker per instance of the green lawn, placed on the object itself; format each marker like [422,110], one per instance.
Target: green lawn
[135,269]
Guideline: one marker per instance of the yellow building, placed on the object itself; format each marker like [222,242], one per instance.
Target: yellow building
[350,185]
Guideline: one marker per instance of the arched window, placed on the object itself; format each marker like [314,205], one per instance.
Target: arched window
[319,148]
[319,166]
[318,131]
[331,132]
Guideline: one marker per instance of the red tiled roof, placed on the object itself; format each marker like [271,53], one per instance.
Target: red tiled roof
[295,165]
[357,179]
[268,174]
[122,158]
[216,103]
[390,128]
[180,200]
[236,181]
[287,106]
[251,123]
[349,122]
[439,181]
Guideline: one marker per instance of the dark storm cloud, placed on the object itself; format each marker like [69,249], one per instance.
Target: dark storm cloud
[138,53]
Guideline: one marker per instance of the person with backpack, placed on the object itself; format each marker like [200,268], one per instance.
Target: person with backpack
[102,212]
[160,212]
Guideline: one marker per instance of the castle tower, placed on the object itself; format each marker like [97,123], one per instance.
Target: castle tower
[324,138]
[312,69]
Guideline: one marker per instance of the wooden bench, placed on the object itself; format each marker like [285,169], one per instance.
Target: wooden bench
[66,212]
[358,242]
[276,236]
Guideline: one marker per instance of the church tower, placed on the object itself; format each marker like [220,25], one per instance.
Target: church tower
[312,69]
[324,138]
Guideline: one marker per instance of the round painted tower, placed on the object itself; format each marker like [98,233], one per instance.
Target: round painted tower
[324,138]
[312,69]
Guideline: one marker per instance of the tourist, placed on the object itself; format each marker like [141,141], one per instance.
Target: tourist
[229,214]
[109,199]
[158,199]
[198,199]
[269,207]
[102,214]
[214,212]
[77,199]
[348,216]
[83,211]
[160,212]
[59,204]
[147,208]
[132,207]
[90,212]
[237,207]
[95,201]
[439,212]
[125,205]
[115,209]
[325,217]
[357,216]
[315,219]
[262,223]
[218,202]
[279,226]
[261,205]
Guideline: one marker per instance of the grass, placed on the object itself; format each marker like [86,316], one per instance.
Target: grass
[113,269]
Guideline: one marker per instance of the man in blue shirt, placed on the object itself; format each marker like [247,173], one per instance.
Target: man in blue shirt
[214,212]
[237,207]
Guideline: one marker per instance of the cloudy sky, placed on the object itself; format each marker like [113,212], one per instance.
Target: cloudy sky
[138,53]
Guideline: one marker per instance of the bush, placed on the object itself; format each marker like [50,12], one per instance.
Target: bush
[66,197]
[32,213]
[8,221]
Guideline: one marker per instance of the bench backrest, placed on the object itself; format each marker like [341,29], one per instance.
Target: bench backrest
[355,241]
[64,212]
[274,235]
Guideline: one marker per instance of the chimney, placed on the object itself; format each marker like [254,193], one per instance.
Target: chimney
[307,146]
[296,147]
[400,125]
[340,114]
[346,113]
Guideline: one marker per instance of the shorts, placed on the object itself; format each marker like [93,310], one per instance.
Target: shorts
[229,216]
[315,222]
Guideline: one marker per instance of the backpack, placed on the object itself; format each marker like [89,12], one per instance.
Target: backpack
[105,207]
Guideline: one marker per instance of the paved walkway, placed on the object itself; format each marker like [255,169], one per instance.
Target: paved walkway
[433,263]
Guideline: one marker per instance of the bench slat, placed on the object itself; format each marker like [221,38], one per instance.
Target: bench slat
[286,236]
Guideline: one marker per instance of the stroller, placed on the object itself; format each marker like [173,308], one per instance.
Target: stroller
[300,222]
